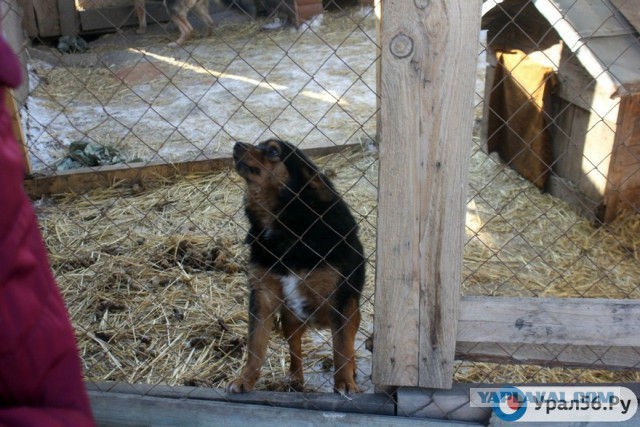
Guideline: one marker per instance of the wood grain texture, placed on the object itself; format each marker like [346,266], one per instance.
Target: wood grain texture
[47,17]
[69,20]
[630,10]
[428,64]
[569,321]
[452,404]
[551,355]
[16,125]
[114,409]
[29,18]
[372,404]
[84,179]
[623,180]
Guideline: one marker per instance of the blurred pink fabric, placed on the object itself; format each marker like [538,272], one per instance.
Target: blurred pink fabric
[40,372]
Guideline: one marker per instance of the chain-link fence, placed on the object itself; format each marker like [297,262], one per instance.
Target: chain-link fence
[154,266]
[553,205]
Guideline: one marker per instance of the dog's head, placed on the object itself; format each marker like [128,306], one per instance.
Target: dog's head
[275,165]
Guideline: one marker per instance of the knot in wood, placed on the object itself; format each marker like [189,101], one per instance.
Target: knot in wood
[421,4]
[401,45]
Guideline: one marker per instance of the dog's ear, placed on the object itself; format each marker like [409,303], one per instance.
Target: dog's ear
[312,178]
[306,173]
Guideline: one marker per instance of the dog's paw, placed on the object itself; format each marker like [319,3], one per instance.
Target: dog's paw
[295,382]
[346,387]
[239,385]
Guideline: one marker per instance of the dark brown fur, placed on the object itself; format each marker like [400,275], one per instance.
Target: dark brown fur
[303,237]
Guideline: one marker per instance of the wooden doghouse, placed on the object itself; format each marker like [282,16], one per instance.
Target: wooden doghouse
[585,100]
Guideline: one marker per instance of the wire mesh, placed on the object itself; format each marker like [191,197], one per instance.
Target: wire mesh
[154,271]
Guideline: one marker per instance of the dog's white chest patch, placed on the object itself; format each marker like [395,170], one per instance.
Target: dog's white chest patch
[292,296]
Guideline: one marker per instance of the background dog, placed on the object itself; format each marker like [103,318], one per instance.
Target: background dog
[178,10]
[306,260]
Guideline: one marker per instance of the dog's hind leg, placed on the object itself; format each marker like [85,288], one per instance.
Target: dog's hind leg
[344,326]
[138,6]
[293,329]
[184,26]
[264,301]
[201,8]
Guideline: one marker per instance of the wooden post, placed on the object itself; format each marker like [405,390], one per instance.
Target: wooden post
[16,125]
[69,21]
[428,64]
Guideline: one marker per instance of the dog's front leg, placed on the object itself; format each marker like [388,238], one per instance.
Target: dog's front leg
[263,304]
[344,328]
[293,330]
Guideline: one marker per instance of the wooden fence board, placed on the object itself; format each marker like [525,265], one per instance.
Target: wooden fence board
[551,355]
[47,17]
[373,404]
[428,65]
[69,22]
[114,409]
[567,321]
[84,179]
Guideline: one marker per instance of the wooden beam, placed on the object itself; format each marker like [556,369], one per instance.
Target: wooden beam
[114,409]
[47,17]
[454,403]
[16,125]
[428,66]
[373,404]
[69,20]
[84,179]
[567,321]
[551,355]
[569,332]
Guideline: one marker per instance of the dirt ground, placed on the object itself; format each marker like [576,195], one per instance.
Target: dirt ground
[314,85]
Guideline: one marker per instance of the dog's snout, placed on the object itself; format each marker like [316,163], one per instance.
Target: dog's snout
[240,148]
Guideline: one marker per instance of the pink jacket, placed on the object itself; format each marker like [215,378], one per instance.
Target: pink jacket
[40,372]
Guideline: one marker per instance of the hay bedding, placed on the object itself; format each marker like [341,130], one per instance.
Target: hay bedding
[155,281]
[154,277]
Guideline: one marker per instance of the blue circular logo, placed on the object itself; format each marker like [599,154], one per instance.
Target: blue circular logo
[512,405]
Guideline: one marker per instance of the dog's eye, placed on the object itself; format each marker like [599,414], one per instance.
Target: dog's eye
[273,152]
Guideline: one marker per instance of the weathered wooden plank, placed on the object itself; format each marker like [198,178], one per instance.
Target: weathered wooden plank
[450,404]
[578,87]
[69,23]
[572,39]
[16,125]
[114,409]
[373,404]
[623,181]
[630,10]
[85,179]
[29,18]
[552,355]
[428,64]
[593,18]
[568,321]
[620,56]
[47,17]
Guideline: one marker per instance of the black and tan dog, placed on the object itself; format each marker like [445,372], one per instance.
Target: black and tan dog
[178,10]
[306,260]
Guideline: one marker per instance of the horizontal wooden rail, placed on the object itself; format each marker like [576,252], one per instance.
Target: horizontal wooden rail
[84,179]
[597,333]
